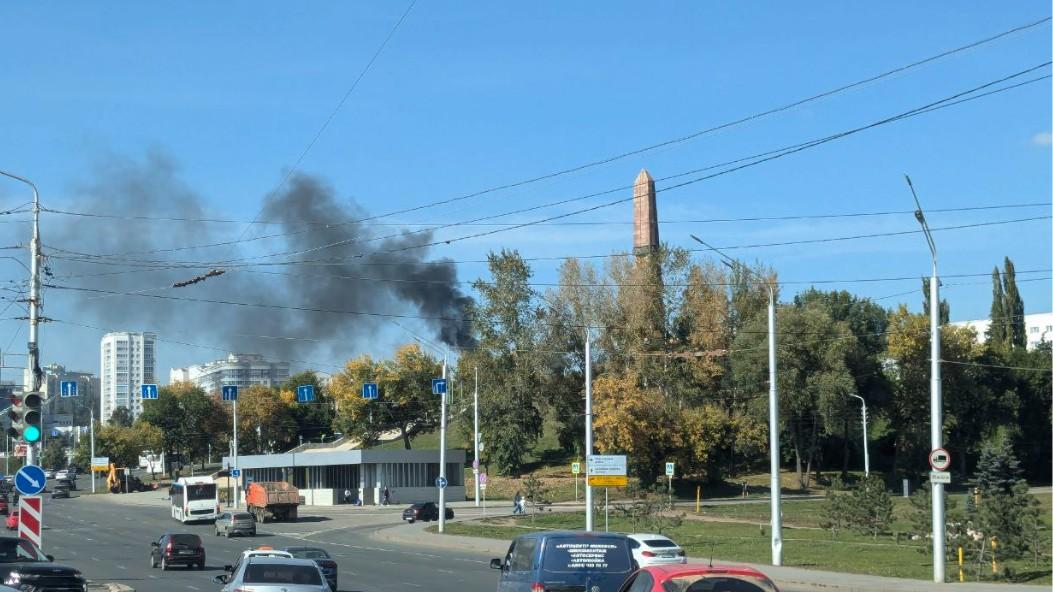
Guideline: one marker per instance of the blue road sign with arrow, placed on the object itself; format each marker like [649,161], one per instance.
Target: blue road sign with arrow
[441,483]
[230,392]
[149,391]
[235,473]
[30,480]
[68,388]
[305,393]
[438,386]
[370,390]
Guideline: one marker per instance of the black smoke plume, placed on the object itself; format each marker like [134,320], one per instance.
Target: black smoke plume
[333,263]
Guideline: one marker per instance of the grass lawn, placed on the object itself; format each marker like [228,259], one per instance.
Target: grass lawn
[803,545]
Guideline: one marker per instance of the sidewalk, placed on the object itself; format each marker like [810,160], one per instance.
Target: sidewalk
[415,534]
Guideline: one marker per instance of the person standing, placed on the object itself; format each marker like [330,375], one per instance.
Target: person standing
[387,496]
[517,503]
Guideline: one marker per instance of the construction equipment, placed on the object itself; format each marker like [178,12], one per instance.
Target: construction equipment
[272,500]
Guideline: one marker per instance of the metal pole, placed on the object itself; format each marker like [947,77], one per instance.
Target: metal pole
[234,455]
[475,439]
[938,535]
[936,402]
[588,428]
[773,432]
[442,454]
[866,450]
[92,470]
[606,513]
[33,360]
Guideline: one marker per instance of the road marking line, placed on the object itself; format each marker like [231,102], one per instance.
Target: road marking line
[412,584]
[121,567]
[192,587]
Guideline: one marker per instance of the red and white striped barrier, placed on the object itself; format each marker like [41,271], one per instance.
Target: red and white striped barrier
[31,518]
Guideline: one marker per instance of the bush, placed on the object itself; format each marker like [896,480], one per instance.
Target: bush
[871,507]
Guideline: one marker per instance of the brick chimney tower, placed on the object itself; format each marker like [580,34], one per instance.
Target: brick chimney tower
[645,215]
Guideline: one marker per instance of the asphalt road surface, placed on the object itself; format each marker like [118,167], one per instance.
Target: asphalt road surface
[110,542]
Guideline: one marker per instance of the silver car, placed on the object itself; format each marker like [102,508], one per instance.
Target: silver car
[231,523]
[274,574]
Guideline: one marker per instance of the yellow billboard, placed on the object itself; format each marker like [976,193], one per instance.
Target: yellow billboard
[608,481]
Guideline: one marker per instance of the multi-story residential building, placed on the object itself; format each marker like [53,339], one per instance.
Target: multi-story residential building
[128,361]
[241,370]
[1039,328]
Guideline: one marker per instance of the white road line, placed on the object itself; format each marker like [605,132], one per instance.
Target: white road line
[121,567]
[192,587]
[412,584]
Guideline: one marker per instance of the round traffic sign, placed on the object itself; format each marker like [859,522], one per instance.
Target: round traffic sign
[441,482]
[939,459]
[483,479]
[30,480]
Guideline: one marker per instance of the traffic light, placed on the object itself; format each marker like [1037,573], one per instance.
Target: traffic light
[15,415]
[31,418]
[25,417]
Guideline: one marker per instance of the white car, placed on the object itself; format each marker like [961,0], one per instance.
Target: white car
[63,474]
[266,553]
[655,549]
[272,574]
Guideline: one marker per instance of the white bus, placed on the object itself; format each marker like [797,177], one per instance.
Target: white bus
[194,498]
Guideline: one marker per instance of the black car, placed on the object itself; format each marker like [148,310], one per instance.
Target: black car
[424,512]
[24,567]
[177,549]
[320,557]
[60,492]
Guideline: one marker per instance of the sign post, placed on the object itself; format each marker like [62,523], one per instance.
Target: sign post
[940,461]
[305,393]
[606,470]
[148,391]
[68,388]
[370,391]
[669,470]
[575,468]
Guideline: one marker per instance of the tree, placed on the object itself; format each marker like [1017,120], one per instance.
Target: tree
[996,333]
[536,495]
[945,309]
[704,326]
[871,506]
[54,454]
[919,513]
[314,420]
[264,420]
[355,418]
[634,420]
[1013,308]
[505,321]
[718,442]
[1006,511]
[122,417]
[814,380]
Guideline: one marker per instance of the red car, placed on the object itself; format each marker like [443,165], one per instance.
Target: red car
[698,577]
[12,520]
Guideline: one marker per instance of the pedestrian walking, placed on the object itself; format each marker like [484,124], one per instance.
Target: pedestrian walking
[347,496]
[517,503]
[387,496]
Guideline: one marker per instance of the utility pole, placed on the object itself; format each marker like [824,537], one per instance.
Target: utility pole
[234,454]
[588,428]
[442,453]
[92,471]
[773,409]
[475,438]
[936,399]
[866,449]
[33,361]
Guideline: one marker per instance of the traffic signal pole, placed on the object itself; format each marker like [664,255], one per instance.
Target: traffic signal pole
[33,360]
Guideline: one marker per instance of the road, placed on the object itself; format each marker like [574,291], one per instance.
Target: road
[108,538]
[110,542]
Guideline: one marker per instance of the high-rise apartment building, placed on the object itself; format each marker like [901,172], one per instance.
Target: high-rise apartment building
[128,361]
[241,370]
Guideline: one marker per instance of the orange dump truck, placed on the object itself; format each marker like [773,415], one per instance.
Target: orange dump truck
[272,500]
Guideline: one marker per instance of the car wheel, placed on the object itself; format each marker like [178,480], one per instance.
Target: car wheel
[164,564]
[201,565]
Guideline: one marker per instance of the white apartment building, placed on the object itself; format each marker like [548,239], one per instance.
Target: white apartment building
[1039,328]
[241,370]
[128,360]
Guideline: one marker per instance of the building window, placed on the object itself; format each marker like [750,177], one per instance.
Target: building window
[1034,329]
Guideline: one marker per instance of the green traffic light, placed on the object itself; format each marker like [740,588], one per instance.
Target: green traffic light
[31,434]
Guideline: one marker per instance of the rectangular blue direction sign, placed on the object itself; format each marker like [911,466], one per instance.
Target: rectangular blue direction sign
[230,392]
[370,390]
[438,386]
[149,391]
[68,388]
[305,393]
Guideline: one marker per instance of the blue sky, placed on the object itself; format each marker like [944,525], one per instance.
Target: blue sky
[471,95]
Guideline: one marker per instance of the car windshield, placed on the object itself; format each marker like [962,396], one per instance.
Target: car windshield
[585,554]
[190,540]
[717,583]
[271,573]
[201,491]
[309,553]
[19,550]
[660,543]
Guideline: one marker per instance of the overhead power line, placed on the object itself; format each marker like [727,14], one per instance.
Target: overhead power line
[578,223]
[663,143]
[736,165]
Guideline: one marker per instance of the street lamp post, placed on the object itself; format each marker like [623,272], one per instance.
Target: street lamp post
[866,447]
[442,452]
[475,438]
[588,428]
[773,411]
[936,398]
